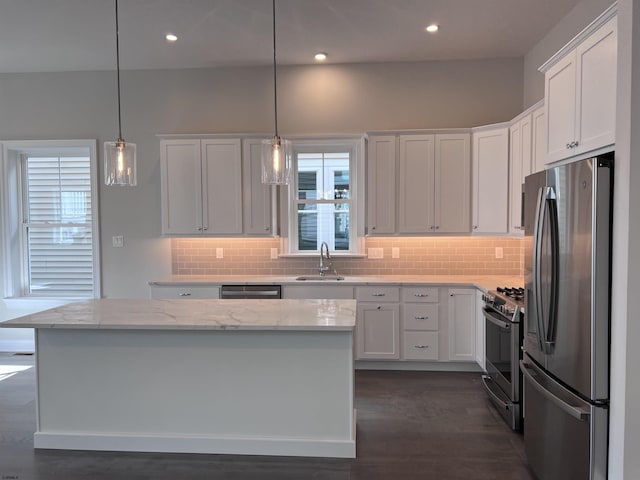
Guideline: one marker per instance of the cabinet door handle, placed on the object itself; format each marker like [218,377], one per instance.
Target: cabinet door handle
[205,228]
[437,227]
[184,294]
[421,318]
[266,229]
[420,294]
[379,307]
[373,228]
[378,295]
[199,229]
[475,227]
[421,346]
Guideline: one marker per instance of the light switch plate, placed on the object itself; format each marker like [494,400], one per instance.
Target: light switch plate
[499,253]
[375,253]
[274,254]
[395,252]
[219,252]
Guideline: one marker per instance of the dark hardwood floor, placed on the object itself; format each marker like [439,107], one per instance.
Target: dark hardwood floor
[411,425]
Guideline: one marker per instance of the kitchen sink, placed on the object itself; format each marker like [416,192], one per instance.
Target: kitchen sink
[319,277]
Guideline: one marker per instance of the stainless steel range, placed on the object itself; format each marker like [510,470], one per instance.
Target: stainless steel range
[504,314]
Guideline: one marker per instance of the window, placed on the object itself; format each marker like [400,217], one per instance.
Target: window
[53,252]
[324,200]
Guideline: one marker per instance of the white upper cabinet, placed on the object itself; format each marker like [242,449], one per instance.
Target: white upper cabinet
[381,185]
[434,184]
[520,145]
[538,139]
[208,188]
[257,198]
[490,180]
[580,91]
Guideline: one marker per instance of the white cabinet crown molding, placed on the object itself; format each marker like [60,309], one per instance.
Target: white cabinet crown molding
[580,37]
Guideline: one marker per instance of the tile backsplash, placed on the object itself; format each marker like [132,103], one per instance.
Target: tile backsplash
[417,256]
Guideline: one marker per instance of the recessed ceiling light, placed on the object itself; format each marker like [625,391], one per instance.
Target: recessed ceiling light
[320,56]
[171,37]
[433,28]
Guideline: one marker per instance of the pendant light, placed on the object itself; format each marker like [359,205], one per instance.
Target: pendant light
[276,152]
[119,156]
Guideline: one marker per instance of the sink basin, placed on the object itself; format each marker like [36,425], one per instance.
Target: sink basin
[319,277]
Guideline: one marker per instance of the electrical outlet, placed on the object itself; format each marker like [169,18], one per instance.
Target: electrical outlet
[274,254]
[499,253]
[395,252]
[219,252]
[375,253]
[117,241]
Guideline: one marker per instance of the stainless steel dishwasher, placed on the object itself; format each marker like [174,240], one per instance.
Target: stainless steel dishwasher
[251,291]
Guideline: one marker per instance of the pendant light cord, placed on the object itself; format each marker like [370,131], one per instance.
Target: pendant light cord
[118,74]
[275,78]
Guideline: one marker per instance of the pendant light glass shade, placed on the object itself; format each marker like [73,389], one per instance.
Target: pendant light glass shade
[120,163]
[119,156]
[276,161]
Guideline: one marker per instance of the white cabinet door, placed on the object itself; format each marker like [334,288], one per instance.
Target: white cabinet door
[257,217]
[490,180]
[181,187]
[480,332]
[452,180]
[381,185]
[520,166]
[538,140]
[462,324]
[417,183]
[560,101]
[377,331]
[222,190]
[580,95]
[596,99]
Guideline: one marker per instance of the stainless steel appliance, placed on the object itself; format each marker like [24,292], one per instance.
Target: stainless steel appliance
[567,304]
[503,313]
[251,291]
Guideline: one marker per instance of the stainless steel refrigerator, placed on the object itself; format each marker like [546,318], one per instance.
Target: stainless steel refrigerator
[567,217]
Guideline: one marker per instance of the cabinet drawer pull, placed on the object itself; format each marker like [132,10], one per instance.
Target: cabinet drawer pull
[421,346]
[184,294]
[421,318]
[379,307]
[378,295]
[420,295]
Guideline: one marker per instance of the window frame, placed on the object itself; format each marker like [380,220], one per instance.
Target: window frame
[14,281]
[356,147]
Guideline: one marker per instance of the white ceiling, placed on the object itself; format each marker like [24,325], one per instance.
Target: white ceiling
[68,35]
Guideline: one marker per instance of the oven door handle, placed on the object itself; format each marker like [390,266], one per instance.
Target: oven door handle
[495,320]
[485,380]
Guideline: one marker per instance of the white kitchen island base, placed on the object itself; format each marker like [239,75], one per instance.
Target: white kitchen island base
[255,392]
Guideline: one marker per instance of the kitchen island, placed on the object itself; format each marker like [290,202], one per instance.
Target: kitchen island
[259,377]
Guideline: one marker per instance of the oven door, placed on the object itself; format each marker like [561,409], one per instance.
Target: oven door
[500,349]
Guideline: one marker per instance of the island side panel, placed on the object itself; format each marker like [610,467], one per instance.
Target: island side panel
[247,392]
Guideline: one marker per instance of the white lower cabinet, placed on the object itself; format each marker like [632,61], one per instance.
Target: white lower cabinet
[480,332]
[168,292]
[378,323]
[317,292]
[462,324]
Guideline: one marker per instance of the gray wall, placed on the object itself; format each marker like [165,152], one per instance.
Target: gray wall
[567,28]
[313,100]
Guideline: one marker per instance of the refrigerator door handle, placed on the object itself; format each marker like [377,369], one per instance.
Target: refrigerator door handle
[537,265]
[552,210]
[575,412]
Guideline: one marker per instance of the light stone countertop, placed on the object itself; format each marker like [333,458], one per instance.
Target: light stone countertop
[136,314]
[483,282]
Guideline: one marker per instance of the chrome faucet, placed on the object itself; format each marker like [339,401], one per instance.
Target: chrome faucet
[324,247]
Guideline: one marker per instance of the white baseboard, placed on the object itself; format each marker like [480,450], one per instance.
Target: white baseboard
[197,444]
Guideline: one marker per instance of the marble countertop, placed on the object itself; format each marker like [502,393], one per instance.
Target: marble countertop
[483,282]
[136,314]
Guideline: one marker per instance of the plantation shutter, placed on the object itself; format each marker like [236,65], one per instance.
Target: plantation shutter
[58,226]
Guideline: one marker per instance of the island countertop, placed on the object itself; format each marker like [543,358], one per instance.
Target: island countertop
[143,314]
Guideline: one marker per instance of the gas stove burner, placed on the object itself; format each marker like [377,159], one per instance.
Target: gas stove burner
[517,293]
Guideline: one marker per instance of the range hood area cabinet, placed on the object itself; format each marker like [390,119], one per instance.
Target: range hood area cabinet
[580,91]
[212,186]
[419,184]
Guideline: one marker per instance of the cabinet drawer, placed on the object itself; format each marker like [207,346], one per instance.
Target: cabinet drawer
[420,294]
[378,294]
[420,317]
[171,292]
[420,345]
